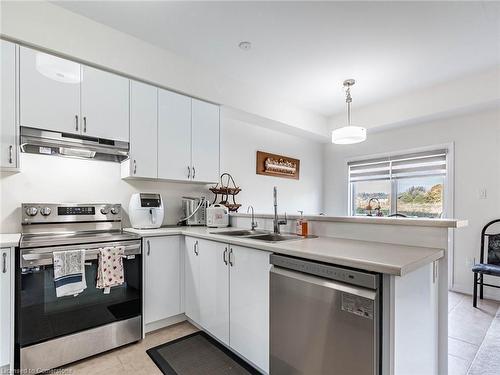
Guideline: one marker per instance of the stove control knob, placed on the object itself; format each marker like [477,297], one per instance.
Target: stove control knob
[31,211]
[45,211]
[105,210]
[115,210]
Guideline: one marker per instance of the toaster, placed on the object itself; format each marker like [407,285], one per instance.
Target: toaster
[217,216]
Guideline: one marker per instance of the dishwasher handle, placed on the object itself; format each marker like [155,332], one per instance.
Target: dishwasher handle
[325,283]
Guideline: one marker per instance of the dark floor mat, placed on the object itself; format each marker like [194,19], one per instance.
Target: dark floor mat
[198,354]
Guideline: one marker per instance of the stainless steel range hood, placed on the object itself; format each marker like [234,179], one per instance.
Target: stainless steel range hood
[36,141]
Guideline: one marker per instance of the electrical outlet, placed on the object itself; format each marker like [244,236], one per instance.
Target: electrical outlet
[483,193]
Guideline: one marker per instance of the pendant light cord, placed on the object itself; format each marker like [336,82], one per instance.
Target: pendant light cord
[348,100]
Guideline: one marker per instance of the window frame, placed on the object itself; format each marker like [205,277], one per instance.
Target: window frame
[448,199]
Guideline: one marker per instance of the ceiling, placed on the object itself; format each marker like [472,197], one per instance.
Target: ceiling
[302,51]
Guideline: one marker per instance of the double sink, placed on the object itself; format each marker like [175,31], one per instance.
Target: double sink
[260,235]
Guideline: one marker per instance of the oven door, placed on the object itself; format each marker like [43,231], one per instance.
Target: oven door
[41,316]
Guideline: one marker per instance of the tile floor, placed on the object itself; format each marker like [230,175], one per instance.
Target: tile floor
[131,359]
[467,328]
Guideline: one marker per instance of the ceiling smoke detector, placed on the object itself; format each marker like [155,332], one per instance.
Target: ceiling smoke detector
[245,46]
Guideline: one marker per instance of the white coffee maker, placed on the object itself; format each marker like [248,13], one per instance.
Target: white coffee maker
[146,210]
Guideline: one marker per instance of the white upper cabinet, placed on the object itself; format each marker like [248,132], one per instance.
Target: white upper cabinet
[105,105]
[162,290]
[192,279]
[249,304]
[205,141]
[49,92]
[214,289]
[143,130]
[174,136]
[8,129]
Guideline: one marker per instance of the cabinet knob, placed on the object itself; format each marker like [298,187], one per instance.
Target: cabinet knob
[76,122]
[149,247]
[224,256]
[194,172]
[231,257]
[4,266]
[135,166]
[189,172]
[196,251]
[84,124]
[11,157]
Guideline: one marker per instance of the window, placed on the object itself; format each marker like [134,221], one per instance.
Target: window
[412,185]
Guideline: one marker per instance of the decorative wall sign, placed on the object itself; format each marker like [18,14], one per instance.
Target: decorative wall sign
[277,165]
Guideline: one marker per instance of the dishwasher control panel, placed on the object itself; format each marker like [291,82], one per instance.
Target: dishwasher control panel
[359,278]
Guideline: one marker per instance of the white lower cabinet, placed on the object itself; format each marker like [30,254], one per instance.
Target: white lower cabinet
[6,310]
[214,289]
[227,294]
[249,304]
[162,275]
[192,280]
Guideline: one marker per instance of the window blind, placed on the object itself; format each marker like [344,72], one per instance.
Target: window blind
[429,163]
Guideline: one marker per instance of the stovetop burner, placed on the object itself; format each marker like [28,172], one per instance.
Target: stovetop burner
[66,224]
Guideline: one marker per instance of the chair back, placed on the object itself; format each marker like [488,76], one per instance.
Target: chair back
[492,242]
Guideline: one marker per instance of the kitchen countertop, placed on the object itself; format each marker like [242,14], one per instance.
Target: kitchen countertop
[9,239]
[418,222]
[392,259]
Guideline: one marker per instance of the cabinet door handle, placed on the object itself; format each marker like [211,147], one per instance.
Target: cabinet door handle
[196,251]
[224,256]
[189,172]
[231,257]
[76,122]
[84,124]
[194,172]
[4,259]
[11,157]
[135,166]
[149,247]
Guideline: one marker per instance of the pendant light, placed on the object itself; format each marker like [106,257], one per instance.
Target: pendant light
[348,134]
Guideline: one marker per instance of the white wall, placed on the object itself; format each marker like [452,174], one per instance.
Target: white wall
[476,139]
[240,141]
[465,94]
[57,179]
[58,30]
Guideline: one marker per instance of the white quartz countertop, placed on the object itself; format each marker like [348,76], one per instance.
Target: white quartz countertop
[9,239]
[367,255]
[418,222]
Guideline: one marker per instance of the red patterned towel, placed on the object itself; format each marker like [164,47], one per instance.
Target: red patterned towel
[110,269]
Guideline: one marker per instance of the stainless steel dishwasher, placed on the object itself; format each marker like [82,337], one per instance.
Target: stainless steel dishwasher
[324,319]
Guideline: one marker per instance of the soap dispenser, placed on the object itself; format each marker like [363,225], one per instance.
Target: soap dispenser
[302,225]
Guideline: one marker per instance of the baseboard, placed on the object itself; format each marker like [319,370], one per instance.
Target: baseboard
[489,293]
[150,327]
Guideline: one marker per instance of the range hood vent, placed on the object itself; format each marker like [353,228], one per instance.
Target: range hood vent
[36,141]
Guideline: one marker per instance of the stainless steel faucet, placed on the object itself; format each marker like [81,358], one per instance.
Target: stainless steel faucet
[254,223]
[276,221]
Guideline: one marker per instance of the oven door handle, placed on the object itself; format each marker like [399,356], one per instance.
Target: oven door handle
[35,258]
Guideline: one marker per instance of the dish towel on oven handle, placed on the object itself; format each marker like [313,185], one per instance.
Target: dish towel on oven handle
[69,272]
[110,269]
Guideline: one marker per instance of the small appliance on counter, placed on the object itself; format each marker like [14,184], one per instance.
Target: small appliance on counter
[217,216]
[146,210]
[194,209]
